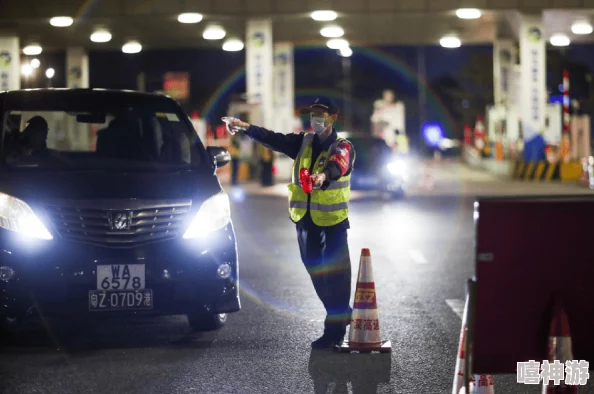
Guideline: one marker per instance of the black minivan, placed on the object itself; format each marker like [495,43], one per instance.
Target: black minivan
[110,205]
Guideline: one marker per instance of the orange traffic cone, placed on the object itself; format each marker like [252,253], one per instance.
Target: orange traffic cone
[559,348]
[585,178]
[364,332]
[459,371]
[481,384]
[485,383]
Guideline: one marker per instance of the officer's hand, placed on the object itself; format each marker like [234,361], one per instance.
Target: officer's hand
[235,123]
[318,179]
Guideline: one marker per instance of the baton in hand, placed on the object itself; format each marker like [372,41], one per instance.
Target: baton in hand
[306,182]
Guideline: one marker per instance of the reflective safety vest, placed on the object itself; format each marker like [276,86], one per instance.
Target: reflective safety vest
[326,207]
[402,142]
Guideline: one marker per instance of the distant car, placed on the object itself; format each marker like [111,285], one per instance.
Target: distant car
[113,209]
[376,166]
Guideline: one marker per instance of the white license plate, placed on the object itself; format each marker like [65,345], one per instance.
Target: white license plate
[101,300]
[120,277]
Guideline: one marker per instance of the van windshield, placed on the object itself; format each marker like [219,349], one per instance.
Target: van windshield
[126,138]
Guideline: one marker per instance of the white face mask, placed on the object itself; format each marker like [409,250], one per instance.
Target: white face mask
[317,124]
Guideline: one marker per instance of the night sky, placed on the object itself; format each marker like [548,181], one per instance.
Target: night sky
[317,71]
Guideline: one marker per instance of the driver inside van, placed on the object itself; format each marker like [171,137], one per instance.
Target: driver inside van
[34,137]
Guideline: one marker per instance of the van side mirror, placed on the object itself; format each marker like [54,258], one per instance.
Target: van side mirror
[219,156]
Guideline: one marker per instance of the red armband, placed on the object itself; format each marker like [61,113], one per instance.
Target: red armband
[342,157]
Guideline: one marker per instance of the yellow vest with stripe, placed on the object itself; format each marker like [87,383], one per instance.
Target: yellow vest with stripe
[326,207]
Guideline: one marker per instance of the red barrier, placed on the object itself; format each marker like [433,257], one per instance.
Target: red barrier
[528,250]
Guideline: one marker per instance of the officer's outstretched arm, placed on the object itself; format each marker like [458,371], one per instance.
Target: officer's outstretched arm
[288,144]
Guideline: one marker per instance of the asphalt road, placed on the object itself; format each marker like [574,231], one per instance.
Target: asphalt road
[422,251]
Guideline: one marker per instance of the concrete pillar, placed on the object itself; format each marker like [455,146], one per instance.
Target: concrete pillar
[78,135]
[77,68]
[141,82]
[284,87]
[259,69]
[503,61]
[10,63]
[533,86]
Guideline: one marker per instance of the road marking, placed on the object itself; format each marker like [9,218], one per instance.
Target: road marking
[417,257]
[457,306]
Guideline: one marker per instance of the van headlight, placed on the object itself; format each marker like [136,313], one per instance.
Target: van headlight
[214,214]
[16,215]
[397,168]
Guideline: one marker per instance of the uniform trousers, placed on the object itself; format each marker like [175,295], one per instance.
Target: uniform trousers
[325,254]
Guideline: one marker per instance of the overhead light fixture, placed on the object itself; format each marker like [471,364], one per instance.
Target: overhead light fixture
[132,47]
[35,63]
[346,52]
[468,13]
[332,32]
[189,17]
[581,27]
[337,43]
[324,15]
[233,45]
[450,41]
[101,36]
[26,69]
[50,72]
[61,21]
[560,40]
[214,33]
[32,50]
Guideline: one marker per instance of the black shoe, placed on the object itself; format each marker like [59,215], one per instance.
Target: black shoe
[327,342]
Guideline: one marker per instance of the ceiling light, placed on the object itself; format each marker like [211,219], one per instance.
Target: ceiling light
[581,27]
[32,50]
[346,52]
[323,15]
[132,47]
[560,40]
[468,13]
[450,42]
[101,36]
[332,32]
[189,17]
[35,63]
[61,21]
[337,43]
[214,33]
[26,69]
[233,45]
[50,72]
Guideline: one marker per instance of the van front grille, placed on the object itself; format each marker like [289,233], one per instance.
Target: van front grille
[123,225]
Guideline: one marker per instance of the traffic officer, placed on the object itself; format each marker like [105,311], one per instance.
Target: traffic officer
[266,166]
[235,152]
[321,217]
